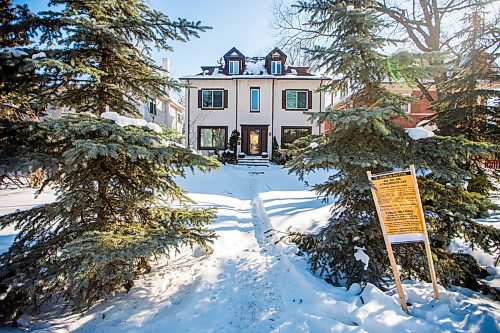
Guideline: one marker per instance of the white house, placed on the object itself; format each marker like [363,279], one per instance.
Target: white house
[261,97]
[165,110]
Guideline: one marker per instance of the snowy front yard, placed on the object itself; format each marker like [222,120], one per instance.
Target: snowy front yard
[249,284]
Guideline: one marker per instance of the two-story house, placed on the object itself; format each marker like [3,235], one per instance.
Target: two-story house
[261,97]
[164,110]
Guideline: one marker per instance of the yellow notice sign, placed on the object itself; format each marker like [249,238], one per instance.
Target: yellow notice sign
[399,208]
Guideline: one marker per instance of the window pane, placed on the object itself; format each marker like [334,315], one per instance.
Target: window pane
[276,67]
[255,99]
[207,98]
[301,132]
[206,137]
[406,108]
[301,99]
[233,67]
[219,138]
[292,134]
[291,99]
[218,98]
[152,107]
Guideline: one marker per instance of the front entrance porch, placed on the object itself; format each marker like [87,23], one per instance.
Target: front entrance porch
[254,139]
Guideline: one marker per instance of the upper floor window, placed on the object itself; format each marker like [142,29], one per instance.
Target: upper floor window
[275,67]
[406,107]
[234,67]
[212,99]
[254,99]
[152,107]
[296,99]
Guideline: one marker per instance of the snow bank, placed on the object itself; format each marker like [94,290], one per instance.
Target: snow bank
[250,285]
[19,199]
[418,133]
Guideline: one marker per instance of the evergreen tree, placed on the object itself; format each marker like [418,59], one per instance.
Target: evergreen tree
[117,204]
[365,137]
[115,208]
[470,106]
[100,53]
[230,156]
[278,157]
[17,68]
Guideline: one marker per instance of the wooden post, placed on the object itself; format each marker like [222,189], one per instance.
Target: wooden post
[388,245]
[426,242]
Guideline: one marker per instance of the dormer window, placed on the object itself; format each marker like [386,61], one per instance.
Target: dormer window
[234,67]
[275,67]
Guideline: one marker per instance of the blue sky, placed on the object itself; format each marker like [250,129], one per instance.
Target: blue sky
[244,24]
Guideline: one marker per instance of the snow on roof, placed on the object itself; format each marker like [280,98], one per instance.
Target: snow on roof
[255,67]
[253,76]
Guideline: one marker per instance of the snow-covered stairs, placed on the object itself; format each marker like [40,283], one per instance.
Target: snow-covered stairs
[254,161]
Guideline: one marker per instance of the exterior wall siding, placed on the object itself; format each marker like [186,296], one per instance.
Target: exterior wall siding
[420,109]
[237,113]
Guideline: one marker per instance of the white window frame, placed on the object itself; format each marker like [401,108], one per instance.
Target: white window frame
[212,93]
[408,107]
[296,99]
[275,67]
[251,99]
[234,67]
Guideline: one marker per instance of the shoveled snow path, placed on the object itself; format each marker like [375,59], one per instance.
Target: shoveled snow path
[256,304]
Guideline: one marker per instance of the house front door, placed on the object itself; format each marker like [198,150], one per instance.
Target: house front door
[253,140]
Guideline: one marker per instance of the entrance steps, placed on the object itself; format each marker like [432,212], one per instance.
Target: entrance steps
[254,161]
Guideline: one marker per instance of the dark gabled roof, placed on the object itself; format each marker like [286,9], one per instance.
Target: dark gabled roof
[233,50]
[276,50]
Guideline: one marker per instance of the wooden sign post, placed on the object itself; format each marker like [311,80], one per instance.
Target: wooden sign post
[401,216]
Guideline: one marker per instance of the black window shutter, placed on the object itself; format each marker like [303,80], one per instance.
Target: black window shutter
[199,99]
[225,98]
[283,99]
[309,99]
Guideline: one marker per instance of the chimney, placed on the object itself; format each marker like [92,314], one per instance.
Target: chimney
[166,72]
[166,67]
